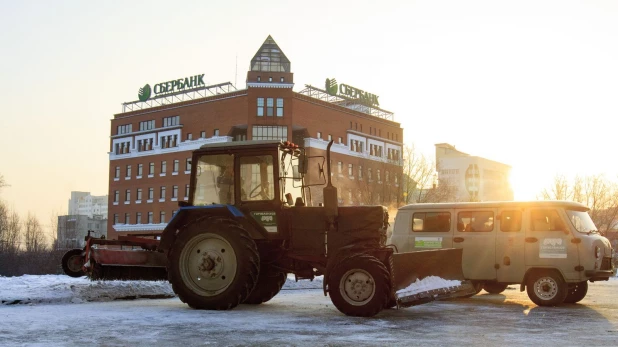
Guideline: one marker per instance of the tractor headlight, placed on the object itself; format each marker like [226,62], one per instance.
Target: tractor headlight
[597,252]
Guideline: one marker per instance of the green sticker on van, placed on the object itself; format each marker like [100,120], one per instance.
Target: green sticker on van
[267,219]
[428,242]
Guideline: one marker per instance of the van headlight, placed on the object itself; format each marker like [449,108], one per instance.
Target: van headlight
[597,252]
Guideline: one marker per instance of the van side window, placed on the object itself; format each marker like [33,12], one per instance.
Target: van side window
[510,220]
[545,220]
[475,221]
[431,221]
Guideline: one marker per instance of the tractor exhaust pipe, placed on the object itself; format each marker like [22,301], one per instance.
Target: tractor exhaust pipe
[330,192]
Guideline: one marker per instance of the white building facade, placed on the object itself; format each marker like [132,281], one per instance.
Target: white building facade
[473,178]
[85,204]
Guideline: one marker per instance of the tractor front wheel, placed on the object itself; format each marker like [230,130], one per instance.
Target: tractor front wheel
[213,264]
[72,263]
[359,286]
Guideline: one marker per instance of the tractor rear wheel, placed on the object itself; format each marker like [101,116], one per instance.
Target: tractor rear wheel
[72,263]
[359,286]
[269,283]
[213,264]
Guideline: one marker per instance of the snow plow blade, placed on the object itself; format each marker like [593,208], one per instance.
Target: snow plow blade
[444,264]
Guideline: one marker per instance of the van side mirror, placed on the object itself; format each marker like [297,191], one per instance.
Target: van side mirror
[302,163]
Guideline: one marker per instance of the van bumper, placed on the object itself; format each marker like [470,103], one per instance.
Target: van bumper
[600,275]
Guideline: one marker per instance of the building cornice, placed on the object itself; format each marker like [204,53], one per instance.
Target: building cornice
[269,85]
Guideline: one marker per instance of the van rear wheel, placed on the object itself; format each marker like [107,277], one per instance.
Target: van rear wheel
[494,287]
[546,288]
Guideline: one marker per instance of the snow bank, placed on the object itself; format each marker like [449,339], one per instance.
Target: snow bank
[428,283]
[49,289]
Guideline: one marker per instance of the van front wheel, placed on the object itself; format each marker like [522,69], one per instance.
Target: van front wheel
[546,288]
[577,292]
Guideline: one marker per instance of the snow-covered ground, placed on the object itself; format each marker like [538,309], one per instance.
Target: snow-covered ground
[30,289]
[62,311]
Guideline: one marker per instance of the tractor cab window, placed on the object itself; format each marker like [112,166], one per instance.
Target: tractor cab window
[214,180]
[257,178]
[289,177]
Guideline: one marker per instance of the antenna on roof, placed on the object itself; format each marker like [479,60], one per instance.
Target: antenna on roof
[236,73]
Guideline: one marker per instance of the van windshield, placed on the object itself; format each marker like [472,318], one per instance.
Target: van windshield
[581,221]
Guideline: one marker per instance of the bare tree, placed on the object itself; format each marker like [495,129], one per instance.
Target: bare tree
[595,191]
[10,229]
[34,236]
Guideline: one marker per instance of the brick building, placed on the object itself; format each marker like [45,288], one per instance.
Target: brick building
[152,140]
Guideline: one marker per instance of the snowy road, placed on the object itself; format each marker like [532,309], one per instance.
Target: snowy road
[306,317]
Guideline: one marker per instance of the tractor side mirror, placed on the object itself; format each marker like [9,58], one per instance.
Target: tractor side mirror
[302,163]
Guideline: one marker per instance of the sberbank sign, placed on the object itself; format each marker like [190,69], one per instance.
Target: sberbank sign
[170,86]
[367,98]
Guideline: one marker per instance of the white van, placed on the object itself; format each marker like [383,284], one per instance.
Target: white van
[550,248]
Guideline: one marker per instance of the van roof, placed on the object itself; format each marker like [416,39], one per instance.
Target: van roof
[494,204]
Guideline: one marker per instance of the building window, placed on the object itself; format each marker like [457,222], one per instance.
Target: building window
[188,164]
[127,218]
[369,174]
[340,168]
[162,217]
[151,169]
[270,79]
[150,193]
[203,134]
[115,218]
[319,135]
[116,195]
[127,195]
[171,121]
[140,169]
[386,176]
[269,107]
[282,79]
[330,137]
[138,218]
[216,132]
[163,167]
[360,172]
[259,78]
[146,125]
[149,217]
[350,169]
[139,193]
[175,192]
[189,136]
[124,129]
[117,175]
[280,106]
[378,175]
[176,165]
[340,139]
[266,132]
[260,107]
[162,192]
[129,171]
[187,191]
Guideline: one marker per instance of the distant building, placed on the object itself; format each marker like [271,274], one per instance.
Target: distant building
[72,230]
[472,178]
[85,204]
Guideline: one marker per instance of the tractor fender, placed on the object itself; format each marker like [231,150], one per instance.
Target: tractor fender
[187,215]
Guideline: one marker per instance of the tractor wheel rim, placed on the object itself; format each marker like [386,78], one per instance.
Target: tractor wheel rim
[75,263]
[357,287]
[208,264]
[546,288]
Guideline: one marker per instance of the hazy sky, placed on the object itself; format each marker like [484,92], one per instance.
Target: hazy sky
[532,84]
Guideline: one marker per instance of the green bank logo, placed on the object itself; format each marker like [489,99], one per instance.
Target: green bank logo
[178,85]
[144,93]
[331,86]
[334,89]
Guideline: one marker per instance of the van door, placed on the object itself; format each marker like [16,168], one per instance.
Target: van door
[431,229]
[548,242]
[510,236]
[401,232]
[476,234]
